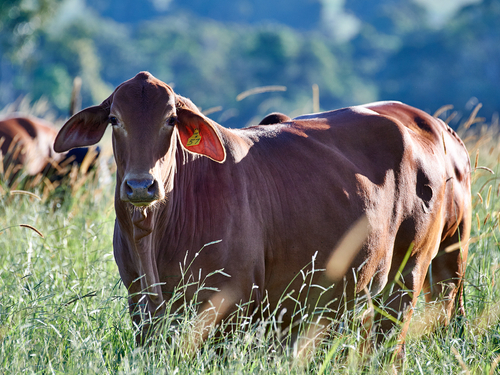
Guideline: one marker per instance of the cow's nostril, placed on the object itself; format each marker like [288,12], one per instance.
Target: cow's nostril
[128,189]
[153,188]
[140,184]
[141,190]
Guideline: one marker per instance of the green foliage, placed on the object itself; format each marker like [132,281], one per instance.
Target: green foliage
[20,23]
[356,52]
[448,65]
[212,63]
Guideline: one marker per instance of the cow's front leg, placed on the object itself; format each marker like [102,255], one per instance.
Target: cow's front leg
[146,316]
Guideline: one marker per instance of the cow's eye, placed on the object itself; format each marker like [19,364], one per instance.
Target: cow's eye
[172,121]
[113,120]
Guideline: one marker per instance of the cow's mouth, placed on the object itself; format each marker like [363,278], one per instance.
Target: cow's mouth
[143,204]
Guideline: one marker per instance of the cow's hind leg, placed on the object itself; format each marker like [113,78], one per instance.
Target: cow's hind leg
[394,308]
[444,281]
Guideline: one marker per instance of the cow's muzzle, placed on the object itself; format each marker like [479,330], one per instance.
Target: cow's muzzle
[140,191]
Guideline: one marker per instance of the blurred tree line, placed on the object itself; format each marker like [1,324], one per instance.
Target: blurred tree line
[356,51]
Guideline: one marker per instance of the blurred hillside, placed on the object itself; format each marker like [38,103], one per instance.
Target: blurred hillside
[422,52]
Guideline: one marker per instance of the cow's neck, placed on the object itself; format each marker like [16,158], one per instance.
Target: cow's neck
[146,252]
[142,224]
[137,228]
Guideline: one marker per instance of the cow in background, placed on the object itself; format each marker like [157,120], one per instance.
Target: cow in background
[27,144]
[280,198]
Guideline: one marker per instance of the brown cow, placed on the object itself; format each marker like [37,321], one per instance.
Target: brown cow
[280,197]
[27,143]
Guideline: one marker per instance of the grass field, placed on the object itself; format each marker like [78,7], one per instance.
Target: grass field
[63,309]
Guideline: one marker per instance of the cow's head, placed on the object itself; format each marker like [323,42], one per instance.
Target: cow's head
[147,117]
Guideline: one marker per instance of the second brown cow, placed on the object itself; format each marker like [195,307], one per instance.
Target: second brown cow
[26,145]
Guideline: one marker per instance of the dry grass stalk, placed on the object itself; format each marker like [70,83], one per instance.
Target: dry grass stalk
[460,360]
[367,322]
[76,98]
[486,218]
[24,192]
[9,172]
[37,180]
[13,144]
[480,197]
[259,90]
[494,365]
[18,149]
[472,240]
[481,141]
[82,179]
[426,323]
[32,228]
[472,118]
[212,110]
[486,169]
[347,249]
[58,167]
[208,317]
[90,156]
[315,91]
[443,109]
[451,117]
[306,346]
[488,196]
[467,138]
[50,185]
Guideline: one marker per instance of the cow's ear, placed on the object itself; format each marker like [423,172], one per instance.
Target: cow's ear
[198,135]
[86,128]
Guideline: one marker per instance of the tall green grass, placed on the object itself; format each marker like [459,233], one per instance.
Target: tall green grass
[63,309]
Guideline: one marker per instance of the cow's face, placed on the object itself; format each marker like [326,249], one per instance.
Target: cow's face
[142,116]
[147,118]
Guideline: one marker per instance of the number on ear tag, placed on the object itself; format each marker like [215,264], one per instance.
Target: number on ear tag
[195,139]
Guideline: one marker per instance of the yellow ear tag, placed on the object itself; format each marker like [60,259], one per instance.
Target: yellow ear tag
[195,139]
